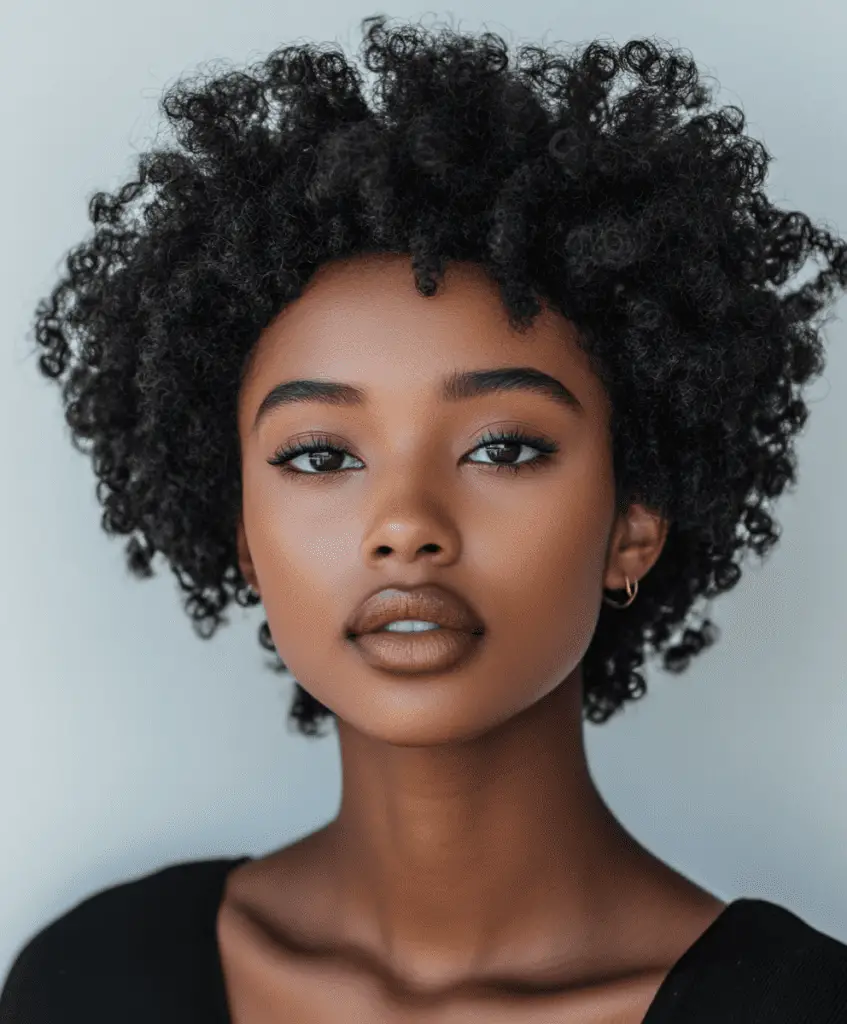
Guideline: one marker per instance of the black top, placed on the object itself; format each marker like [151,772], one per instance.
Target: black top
[145,952]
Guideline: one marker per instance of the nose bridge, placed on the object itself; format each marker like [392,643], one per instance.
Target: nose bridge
[411,510]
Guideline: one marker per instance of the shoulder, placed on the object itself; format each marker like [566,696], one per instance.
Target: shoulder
[121,952]
[811,969]
[784,939]
[762,961]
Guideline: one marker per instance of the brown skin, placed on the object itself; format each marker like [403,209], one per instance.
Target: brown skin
[471,845]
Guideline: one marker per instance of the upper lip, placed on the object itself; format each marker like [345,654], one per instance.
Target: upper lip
[429,603]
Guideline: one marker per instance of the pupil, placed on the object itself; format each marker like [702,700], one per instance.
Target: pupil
[499,447]
[319,460]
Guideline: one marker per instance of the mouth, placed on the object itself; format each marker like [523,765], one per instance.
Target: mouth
[429,651]
[415,630]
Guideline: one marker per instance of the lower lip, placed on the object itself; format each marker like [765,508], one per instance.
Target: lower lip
[412,654]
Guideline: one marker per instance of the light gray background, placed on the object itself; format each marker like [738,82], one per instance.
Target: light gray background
[127,743]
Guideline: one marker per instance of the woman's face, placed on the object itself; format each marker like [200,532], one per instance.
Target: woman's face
[416,497]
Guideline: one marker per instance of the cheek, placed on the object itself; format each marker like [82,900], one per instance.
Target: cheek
[553,543]
[289,536]
[299,565]
[545,578]
[554,592]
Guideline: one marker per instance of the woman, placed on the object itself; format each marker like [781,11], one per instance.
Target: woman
[426,375]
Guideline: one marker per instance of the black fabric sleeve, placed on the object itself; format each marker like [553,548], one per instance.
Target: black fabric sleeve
[138,952]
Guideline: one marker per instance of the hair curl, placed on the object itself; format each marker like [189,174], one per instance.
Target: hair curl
[636,212]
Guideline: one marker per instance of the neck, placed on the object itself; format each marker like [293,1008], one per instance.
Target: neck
[495,853]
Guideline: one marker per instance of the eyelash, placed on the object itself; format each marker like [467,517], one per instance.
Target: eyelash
[285,453]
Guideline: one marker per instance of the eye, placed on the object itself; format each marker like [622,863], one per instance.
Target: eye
[506,442]
[321,452]
[323,458]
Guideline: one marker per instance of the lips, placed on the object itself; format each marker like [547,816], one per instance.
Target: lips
[429,603]
[434,652]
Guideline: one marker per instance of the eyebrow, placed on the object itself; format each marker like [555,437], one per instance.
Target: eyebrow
[455,387]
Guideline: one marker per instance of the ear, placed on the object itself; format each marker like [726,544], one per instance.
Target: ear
[637,540]
[245,562]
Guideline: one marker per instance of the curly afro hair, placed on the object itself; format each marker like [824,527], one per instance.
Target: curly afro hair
[600,183]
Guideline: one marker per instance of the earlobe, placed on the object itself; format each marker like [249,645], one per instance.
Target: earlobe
[636,545]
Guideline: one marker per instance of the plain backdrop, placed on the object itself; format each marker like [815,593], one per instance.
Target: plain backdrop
[127,743]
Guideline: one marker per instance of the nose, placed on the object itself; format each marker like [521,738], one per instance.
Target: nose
[412,537]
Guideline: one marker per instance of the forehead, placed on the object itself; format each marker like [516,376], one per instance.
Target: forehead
[363,321]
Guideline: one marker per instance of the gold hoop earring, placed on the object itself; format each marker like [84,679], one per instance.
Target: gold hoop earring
[631,592]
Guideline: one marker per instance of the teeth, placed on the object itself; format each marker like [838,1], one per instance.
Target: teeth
[409,626]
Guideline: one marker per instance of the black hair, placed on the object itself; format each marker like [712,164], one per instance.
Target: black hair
[600,182]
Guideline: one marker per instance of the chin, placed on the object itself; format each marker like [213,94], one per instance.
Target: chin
[417,716]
